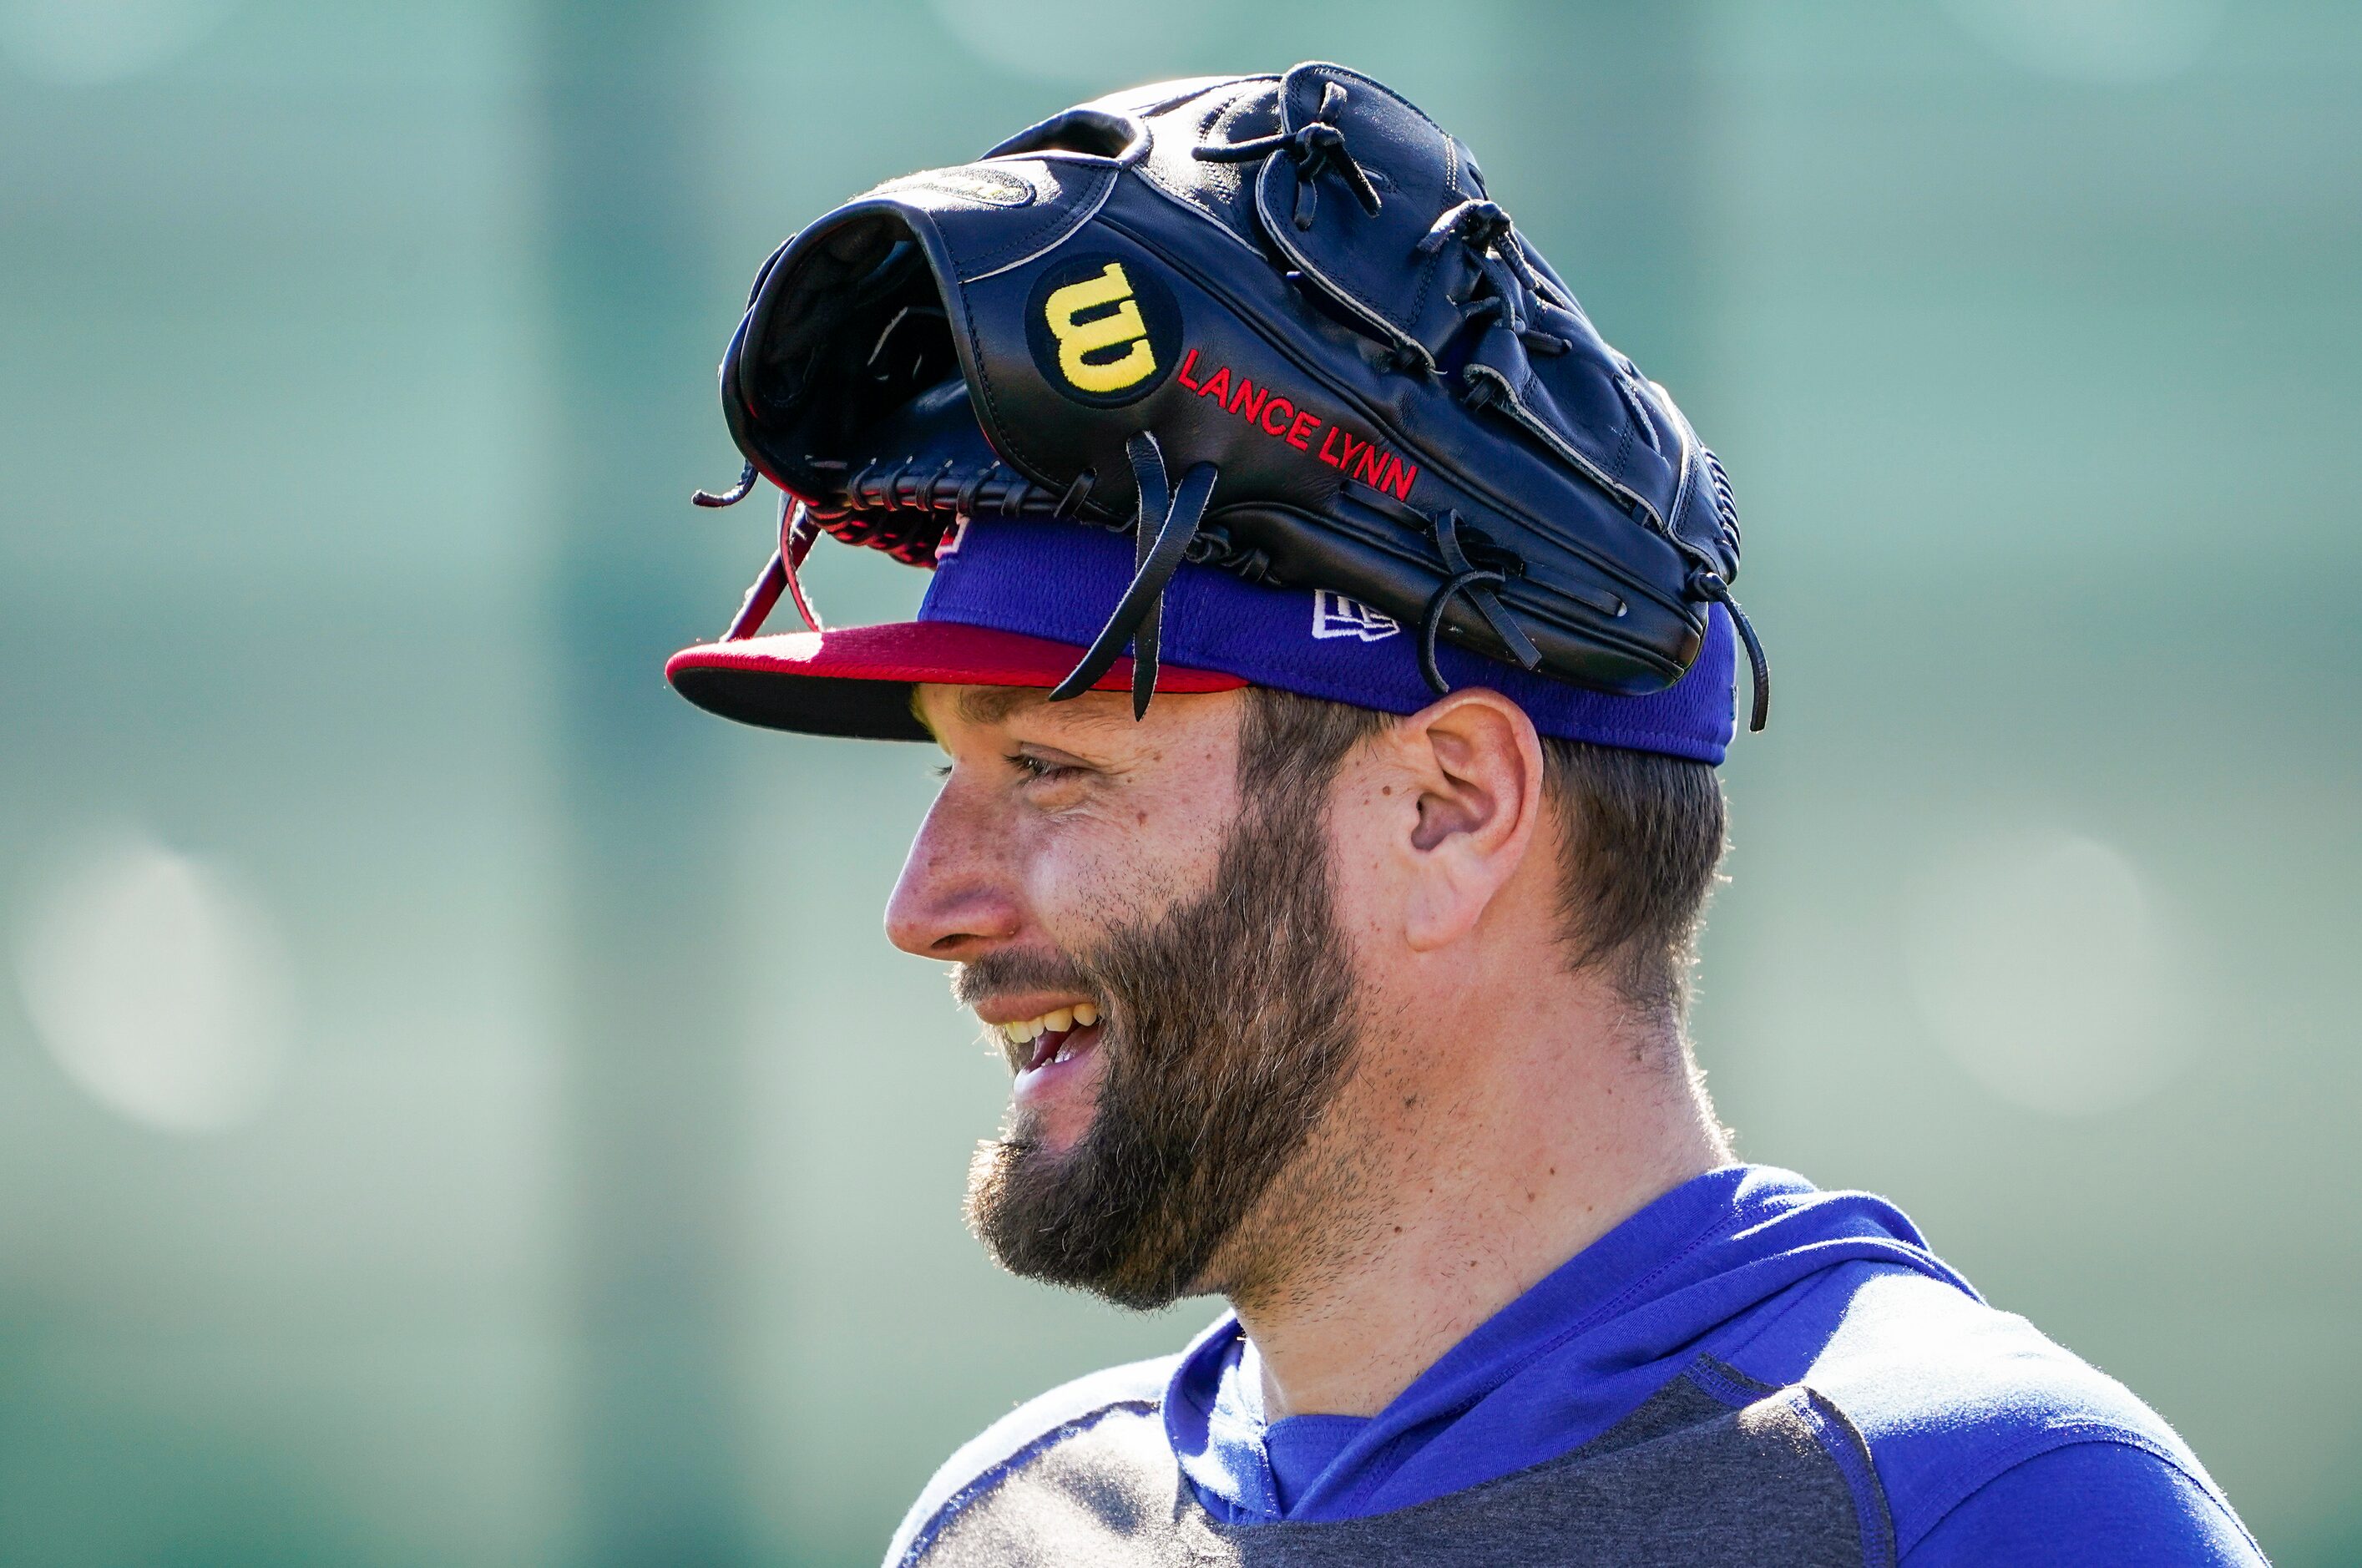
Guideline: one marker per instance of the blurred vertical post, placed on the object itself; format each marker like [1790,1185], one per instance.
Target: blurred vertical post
[650,1061]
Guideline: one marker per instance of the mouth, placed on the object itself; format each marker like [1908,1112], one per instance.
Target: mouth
[1049,1046]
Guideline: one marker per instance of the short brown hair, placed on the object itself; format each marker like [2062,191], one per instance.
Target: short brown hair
[1641,835]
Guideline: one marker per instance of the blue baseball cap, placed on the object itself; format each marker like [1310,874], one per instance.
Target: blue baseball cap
[1016,601]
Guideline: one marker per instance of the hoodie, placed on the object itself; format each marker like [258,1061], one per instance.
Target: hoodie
[1978,1427]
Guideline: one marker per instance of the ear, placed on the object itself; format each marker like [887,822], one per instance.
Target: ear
[1475,767]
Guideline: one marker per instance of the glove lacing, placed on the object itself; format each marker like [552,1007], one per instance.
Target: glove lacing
[780,574]
[1707,584]
[1491,238]
[1168,524]
[991,489]
[1476,580]
[731,497]
[1312,148]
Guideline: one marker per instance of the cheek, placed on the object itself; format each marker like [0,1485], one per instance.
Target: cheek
[1124,862]
[1365,877]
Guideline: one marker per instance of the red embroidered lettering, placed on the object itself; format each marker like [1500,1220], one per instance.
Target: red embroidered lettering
[1339,448]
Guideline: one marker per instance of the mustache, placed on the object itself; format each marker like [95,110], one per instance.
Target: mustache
[1020,970]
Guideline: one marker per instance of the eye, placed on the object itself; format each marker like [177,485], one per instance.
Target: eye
[941,770]
[1042,767]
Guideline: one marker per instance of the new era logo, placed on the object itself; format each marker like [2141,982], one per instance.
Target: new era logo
[1334,615]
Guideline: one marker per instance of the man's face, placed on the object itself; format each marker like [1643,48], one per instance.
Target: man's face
[1159,960]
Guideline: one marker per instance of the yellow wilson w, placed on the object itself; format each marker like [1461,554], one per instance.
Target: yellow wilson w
[1076,339]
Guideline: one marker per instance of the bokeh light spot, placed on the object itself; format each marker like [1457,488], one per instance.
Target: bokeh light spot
[79,43]
[2115,41]
[2043,966]
[161,986]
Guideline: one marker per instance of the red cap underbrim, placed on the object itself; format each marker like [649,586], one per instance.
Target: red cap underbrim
[857,681]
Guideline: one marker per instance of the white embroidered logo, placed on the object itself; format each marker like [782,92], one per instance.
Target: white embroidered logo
[1334,615]
[954,537]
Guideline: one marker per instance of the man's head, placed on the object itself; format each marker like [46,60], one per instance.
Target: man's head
[1275,950]
[1232,948]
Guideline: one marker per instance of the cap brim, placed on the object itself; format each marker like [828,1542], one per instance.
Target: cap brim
[857,681]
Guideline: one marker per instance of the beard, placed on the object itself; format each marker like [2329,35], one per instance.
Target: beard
[1228,1025]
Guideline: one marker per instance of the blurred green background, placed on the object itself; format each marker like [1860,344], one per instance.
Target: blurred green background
[456,1106]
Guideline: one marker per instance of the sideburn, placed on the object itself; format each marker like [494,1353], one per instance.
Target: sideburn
[1229,1027]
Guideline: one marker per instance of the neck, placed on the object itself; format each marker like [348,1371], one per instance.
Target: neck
[1502,1159]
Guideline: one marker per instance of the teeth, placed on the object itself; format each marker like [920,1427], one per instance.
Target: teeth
[1058,1020]
[1065,1051]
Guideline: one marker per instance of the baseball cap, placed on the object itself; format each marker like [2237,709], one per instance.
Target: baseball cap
[1016,601]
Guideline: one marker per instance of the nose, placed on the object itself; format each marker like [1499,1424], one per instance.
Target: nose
[956,897]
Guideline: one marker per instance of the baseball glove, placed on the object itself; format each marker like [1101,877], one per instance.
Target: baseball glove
[1273,324]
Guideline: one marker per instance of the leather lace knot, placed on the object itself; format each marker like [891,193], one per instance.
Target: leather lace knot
[1314,148]
[1518,291]
[1474,565]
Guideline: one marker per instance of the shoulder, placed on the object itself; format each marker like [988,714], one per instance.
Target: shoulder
[1024,1434]
[2089,1502]
[1948,1394]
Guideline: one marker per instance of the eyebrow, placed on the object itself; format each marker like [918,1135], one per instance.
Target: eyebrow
[994,705]
[987,705]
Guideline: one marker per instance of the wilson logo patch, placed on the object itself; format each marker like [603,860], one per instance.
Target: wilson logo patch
[1103,331]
